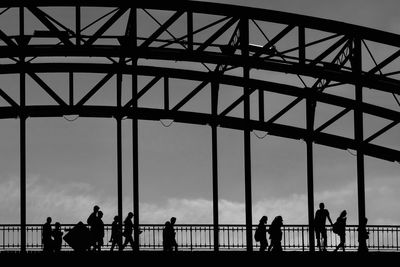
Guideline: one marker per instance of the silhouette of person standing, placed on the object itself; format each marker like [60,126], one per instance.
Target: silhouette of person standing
[91,220]
[47,239]
[261,233]
[173,234]
[363,235]
[320,226]
[275,234]
[98,231]
[341,229]
[57,235]
[115,233]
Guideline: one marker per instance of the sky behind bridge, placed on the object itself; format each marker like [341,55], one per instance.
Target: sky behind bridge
[71,166]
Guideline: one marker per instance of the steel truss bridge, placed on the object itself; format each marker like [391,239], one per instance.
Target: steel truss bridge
[147,46]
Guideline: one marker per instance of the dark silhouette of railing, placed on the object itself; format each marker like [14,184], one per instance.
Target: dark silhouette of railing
[200,237]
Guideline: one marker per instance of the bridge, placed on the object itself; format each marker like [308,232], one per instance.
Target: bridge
[233,50]
[199,237]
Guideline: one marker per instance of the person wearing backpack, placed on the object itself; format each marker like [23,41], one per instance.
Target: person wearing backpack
[260,234]
[339,228]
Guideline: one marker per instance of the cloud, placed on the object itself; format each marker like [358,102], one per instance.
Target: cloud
[72,202]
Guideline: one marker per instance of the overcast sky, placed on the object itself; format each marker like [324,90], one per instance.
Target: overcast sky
[71,166]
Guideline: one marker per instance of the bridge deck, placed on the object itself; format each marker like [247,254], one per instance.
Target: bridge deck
[200,258]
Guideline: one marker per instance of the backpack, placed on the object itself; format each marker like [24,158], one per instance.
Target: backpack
[335,227]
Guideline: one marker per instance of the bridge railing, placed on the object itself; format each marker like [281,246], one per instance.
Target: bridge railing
[200,237]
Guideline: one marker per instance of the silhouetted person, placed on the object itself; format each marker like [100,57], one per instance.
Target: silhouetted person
[98,231]
[341,229]
[116,237]
[275,234]
[91,220]
[128,230]
[320,226]
[363,235]
[168,237]
[173,234]
[261,233]
[57,237]
[47,239]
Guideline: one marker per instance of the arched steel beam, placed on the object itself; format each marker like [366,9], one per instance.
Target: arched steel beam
[274,129]
[370,80]
[206,76]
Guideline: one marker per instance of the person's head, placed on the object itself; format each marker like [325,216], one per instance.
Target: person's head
[173,220]
[343,213]
[116,218]
[167,223]
[48,220]
[100,214]
[57,225]
[321,206]
[264,219]
[96,208]
[130,215]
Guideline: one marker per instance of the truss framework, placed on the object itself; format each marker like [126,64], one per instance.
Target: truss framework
[231,46]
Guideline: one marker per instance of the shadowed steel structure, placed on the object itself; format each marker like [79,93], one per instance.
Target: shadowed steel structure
[233,48]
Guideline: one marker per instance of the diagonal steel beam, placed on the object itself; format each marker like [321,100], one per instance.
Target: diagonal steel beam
[315,85]
[95,89]
[217,34]
[44,19]
[384,63]
[143,91]
[47,88]
[5,38]
[274,40]
[332,120]
[161,29]
[329,50]
[237,102]
[105,26]
[381,131]
[189,96]
[7,98]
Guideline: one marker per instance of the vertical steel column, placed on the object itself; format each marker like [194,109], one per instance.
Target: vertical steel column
[244,43]
[214,137]
[310,112]
[22,138]
[119,148]
[135,136]
[78,25]
[359,129]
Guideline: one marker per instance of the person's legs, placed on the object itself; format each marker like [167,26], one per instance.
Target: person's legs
[324,237]
[318,237]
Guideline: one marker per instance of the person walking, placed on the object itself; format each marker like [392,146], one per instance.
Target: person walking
[340,229]
[320,226]
[261,233]
[91,221]
[363,235]
[173,234]
[47,240]
[98,232]
[116,234]
[57,237]
[275,234]
[128,231]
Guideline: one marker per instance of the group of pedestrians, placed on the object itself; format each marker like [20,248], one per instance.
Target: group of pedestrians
[169,236]
[274,231]
[321,216]
[52,239]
